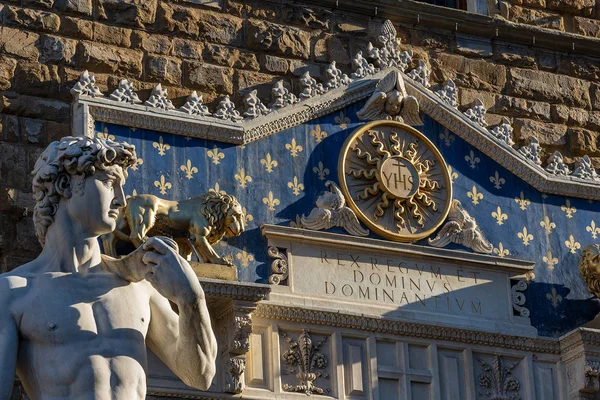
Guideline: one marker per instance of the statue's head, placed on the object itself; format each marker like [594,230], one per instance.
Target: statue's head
[85,177]
[393,102]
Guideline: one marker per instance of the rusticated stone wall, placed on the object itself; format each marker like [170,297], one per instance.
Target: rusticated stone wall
[220,49]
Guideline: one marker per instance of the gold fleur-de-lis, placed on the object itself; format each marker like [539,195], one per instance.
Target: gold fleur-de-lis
[296,186]
[500,216]
[548,225]
[188,169]
[497,180]
[522,201]
[572,245]
[138,162]
[163,185]
[447,137]
[342,120]
[568,209]
[161,146]
[268,163]
[245,257]
[297,223]
[593,229]
[247,217]
[453,174]
[104,135]
[321,171]
[555,298]
[472,159]
[525,236]
[242,178]
[318,134]
[134,193]
[474,195]
[217,189]
[500,251]
[215,155]
[271,201]
[550,260]
[294,148]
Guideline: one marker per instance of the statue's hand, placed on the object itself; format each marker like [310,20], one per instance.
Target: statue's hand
[169,273]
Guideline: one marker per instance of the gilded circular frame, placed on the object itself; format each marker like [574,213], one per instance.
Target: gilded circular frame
[415,217]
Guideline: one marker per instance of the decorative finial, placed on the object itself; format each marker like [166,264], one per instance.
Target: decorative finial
[125,93]
[362,67]
[335,77]
[86,86]
[584,169]
[254,106]
[503,132]
[194,106]
[477,113]
[449,93]
[310,87]
[420,74]
[158,99]
[532,151]
[226,110]
[281,96]
[556,164]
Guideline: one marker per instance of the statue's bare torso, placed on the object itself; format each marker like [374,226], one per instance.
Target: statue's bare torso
[92,335]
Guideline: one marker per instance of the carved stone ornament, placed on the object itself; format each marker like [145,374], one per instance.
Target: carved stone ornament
[462,229]
[158,99]
[234,375]
[254,106]
[335,77]
[281,96]
[556,164]
[241,339]
[449,93]
[362,67]
[310,87]
[395,180]
[391,101]
[592,379]
[584,169]
[389,54]
[477,113]
[497,382]
[589,268]
[304,359]
[420,74]
[279,267]
[125,93]
[503,132]
[226,110]
[86,86]
[518,298]
[135,223]
[194,106]
[532,151]
[331,211]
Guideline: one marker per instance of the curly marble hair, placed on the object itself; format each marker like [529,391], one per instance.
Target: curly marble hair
[71,156]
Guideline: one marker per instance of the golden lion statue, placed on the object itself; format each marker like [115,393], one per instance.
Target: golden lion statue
[202,221]
[589,267]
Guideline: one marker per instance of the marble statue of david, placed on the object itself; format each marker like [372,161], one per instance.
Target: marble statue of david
[75,324]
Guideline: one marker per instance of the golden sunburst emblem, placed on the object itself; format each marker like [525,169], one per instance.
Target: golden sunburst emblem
[395,180]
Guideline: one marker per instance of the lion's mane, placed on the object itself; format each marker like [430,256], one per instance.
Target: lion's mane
[214,208]
[589,267]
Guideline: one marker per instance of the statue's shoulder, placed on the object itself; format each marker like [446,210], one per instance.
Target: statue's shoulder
[14,283]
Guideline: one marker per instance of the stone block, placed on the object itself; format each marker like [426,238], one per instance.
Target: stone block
[76,27]
[595,95]
[273,64]
[547,61]
[36,79]
[10,128]
[230,57]
[187,49]
[278,39]
[548,87]
[7,70]
[38,3]
[472,46]
[474,74]
[208,78]
[57,49]
[515,56]
[34,107]
[569,115]
[351,25]
[135,13]
[31,19]
[263,83]
[201,24]
[580,67]
[14,154]
[530,3]
[299,67]
[19,43]
[467,98]
[586,26]
[57,130]
[112,35]
[583,141]
[517,107]
[103,58]
[548,134]
[163,70]
[33,130]
[578,7]
[156,44]
[84,7]
[289,13]
[543,19]
[593,121]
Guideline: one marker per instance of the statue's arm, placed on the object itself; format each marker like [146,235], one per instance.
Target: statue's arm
[185,342]
[9,341]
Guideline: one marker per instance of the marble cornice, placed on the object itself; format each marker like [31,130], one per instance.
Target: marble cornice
[244,291]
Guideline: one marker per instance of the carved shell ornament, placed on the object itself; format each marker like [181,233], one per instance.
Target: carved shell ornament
[395,180]
[391,101]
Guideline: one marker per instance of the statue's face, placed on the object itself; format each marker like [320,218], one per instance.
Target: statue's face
[393,102]
[234,223]
[326,200]
[96,200]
